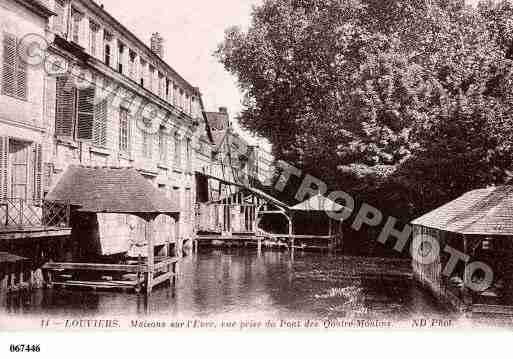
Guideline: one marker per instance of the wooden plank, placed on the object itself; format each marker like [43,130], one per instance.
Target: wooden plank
[22,234]
[101,285]
[96,267]
[163,278]
[165,263]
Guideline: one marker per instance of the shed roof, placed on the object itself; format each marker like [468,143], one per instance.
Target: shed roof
[318,203]
[110,190]
[487,211]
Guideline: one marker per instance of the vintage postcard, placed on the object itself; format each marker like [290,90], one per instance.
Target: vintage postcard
[255,165]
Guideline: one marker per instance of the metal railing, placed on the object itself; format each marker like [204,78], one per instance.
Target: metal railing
[22,213]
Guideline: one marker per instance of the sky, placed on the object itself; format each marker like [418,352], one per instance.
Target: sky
[192,30]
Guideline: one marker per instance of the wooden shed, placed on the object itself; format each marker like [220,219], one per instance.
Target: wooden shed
[115,213]
[479,224]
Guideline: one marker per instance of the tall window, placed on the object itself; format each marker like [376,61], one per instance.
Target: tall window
[176,197]
[76,21]
[124,130]
[177,151]
[188,205]
[58,20]
[132,68]
[188,149]
[93,38]
[147,138]
[121,57]
[14,70]
[151,76]
[100,124]
[77,116]
[160,87]
[175,96]
[143,73]
[162,144]
[107,38]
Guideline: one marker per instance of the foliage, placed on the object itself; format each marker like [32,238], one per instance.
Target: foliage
[405,101]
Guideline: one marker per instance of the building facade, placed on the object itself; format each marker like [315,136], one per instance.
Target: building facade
[99,96]
[23,127]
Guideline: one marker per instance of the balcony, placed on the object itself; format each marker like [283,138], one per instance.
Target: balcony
[23,218]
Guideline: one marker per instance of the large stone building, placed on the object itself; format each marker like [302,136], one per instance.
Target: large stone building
[99,96]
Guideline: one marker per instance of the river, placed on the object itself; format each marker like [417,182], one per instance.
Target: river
[243,284]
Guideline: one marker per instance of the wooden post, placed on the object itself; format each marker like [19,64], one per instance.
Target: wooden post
[259,246]
[151,254]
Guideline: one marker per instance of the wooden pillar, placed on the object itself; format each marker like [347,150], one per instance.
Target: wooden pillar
[291,235]
[151,254]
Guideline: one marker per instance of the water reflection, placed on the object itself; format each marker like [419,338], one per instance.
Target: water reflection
[245,284]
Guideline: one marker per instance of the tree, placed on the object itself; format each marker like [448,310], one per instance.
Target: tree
[409,95]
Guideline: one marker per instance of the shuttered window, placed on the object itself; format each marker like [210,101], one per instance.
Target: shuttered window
[100,124]
[65,107]
[38,172]
[85,113]
[76,112]
[14,70]
[4,153]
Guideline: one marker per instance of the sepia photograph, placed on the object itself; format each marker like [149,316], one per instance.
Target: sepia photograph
[252,166]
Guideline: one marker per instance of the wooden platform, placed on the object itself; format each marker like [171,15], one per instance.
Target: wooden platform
[8,258]
[164,269]
[33,232]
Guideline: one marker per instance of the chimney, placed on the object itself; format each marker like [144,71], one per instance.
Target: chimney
[223,110]
[157,44]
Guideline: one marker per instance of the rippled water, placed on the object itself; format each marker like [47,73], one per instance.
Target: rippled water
[243,284]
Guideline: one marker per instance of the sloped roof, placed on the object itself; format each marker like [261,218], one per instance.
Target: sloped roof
[110,190]
[218,123]
[487,211]
[318,203]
